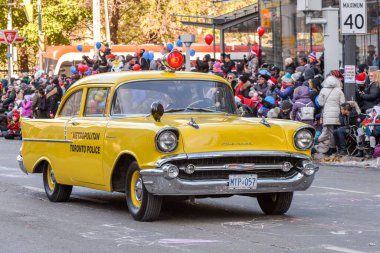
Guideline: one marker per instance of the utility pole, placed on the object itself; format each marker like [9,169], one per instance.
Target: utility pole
[96,22]
[10,47]
[41,37]
[108,36]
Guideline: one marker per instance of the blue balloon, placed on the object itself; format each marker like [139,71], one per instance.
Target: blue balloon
[169,46]
[73,70]
[98,45]
[179,43]
[192,52]
[151,56]
[80,48]
[146,55]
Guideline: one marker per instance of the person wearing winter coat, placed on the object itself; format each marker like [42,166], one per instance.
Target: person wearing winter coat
[228,65]
[204,65]
[286,109]
[289,66]
[42,109]
[261,85]
[330,98]
[371,94]
[287,87]
[27,106]
[348,117]
[14,127]
[302,100]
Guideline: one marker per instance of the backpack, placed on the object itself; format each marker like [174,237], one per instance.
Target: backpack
[306,112]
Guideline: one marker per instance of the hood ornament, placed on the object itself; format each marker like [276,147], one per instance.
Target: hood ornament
[264,122]
[193,123]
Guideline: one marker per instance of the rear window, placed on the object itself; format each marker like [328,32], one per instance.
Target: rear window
[175,95]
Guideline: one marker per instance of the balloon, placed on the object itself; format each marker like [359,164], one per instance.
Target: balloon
[169,46]
[151,56]
[94,72]
[208,39]
[73,70]
[81,68]
[192,52]
[146,55]
[136,67]
[85,68]
[179,43]
[80,48]
[98,45]
[261,31]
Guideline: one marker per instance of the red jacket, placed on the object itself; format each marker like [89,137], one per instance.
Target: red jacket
[14,126]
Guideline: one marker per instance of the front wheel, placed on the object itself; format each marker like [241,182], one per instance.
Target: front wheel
[54,191]
[143,205]
[275,203]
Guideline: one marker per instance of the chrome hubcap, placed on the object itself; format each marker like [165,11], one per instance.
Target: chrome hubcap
[138,189]
[52,178]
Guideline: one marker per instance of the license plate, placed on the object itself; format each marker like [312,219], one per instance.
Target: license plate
[239,182]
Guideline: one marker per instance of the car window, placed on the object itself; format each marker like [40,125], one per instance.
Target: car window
[72,106]
[96,102]
[174,95]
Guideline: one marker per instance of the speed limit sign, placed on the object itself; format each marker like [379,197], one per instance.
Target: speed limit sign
[353,17]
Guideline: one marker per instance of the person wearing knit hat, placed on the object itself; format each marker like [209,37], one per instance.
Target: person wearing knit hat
[289,65]
[312,57]
[261,85]
[287,88]
[286,108]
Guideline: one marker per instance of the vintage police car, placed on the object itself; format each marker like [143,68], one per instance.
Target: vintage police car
[160,134]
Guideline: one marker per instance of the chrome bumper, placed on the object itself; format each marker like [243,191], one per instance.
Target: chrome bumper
[20,162]
[156,183]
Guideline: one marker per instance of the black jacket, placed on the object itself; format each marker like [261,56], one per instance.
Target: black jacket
[202,66]
[371,96]
[351,120]
[227,67]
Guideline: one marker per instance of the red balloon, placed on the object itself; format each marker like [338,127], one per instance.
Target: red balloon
[136,67]
[261,31]
[81,68]
[208,39]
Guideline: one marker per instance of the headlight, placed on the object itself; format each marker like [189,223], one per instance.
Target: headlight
[167,141]
[304,139]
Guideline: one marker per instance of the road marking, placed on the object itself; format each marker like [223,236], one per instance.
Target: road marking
[338,189]
[341,249]
[36,189]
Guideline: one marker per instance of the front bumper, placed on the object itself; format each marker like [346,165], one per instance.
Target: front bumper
[156,183]
[20,162]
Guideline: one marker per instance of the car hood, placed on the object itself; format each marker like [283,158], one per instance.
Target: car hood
[213,133]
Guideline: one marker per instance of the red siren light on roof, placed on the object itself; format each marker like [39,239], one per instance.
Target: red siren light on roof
[173,60]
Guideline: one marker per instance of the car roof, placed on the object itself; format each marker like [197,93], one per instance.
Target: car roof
[116,78]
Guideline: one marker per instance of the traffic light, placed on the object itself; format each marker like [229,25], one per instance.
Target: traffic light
[28,8]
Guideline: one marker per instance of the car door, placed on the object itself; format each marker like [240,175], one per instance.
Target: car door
[87,135]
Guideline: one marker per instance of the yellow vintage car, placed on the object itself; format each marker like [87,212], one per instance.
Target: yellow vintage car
[153,135]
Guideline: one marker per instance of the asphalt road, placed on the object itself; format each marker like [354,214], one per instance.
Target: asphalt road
[340,213]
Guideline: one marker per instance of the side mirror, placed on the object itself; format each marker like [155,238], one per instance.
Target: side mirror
[157,110]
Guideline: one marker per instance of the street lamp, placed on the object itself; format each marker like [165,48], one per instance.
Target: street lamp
[188,39]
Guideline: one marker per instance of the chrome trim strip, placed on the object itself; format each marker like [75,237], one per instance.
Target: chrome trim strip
[47,140]
[265,153]
[241,168]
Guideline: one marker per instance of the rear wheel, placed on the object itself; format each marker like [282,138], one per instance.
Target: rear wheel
[275,203]
[142,205]
[54,191]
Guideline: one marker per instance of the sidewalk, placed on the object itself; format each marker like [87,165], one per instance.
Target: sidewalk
[347,161]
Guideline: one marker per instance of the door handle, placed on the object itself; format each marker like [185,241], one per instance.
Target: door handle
[74,123]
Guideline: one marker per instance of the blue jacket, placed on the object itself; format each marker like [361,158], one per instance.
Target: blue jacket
[287,93]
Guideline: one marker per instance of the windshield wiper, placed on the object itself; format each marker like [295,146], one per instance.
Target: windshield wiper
[200,109]
[175,110]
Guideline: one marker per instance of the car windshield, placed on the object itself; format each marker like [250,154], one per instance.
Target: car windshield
[175,95]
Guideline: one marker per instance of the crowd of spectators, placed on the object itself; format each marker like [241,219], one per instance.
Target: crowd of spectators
[295,91]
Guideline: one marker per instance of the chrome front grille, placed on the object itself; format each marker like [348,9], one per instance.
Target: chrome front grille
[222,167]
